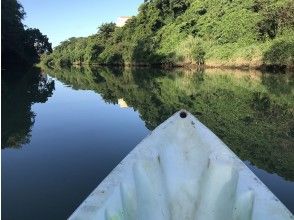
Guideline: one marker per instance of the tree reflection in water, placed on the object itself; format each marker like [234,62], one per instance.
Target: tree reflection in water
[19,93]
[251,112]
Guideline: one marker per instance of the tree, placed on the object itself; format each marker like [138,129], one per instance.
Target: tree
[12,32]
[20,46]
[39,41]
[105,30]
[178,7]
[36,43]
[12,15]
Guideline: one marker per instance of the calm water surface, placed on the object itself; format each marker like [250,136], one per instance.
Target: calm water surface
[64,130]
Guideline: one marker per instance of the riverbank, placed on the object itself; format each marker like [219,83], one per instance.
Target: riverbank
[209,65]
[247,34]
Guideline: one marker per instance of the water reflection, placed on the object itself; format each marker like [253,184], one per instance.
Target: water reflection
[19,93]
[252,112]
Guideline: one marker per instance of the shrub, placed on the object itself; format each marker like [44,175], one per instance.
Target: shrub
[191,49]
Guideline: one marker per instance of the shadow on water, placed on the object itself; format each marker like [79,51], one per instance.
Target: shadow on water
[19,92]
[252,112]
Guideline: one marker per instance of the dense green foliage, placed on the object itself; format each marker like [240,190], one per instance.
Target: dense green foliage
[251,112]
[20,45]
[169,32]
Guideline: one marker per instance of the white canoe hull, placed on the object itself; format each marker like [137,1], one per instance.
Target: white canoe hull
[181,171]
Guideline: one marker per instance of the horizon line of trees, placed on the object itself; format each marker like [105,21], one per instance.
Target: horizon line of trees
[168,32]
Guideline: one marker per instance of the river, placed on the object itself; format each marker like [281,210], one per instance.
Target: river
[64,130]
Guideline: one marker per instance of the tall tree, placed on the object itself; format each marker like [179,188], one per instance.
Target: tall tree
[36,43]
[106,29]
[12,33]
[20,46]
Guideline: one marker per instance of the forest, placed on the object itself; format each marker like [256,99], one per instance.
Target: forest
[21,46]
[216,33]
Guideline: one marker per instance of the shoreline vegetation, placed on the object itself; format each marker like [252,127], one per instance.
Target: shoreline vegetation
[191,66]
[250,34]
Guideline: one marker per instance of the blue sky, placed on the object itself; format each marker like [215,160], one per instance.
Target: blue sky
[62,19]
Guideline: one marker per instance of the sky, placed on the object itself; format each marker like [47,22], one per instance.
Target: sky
[62,19]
